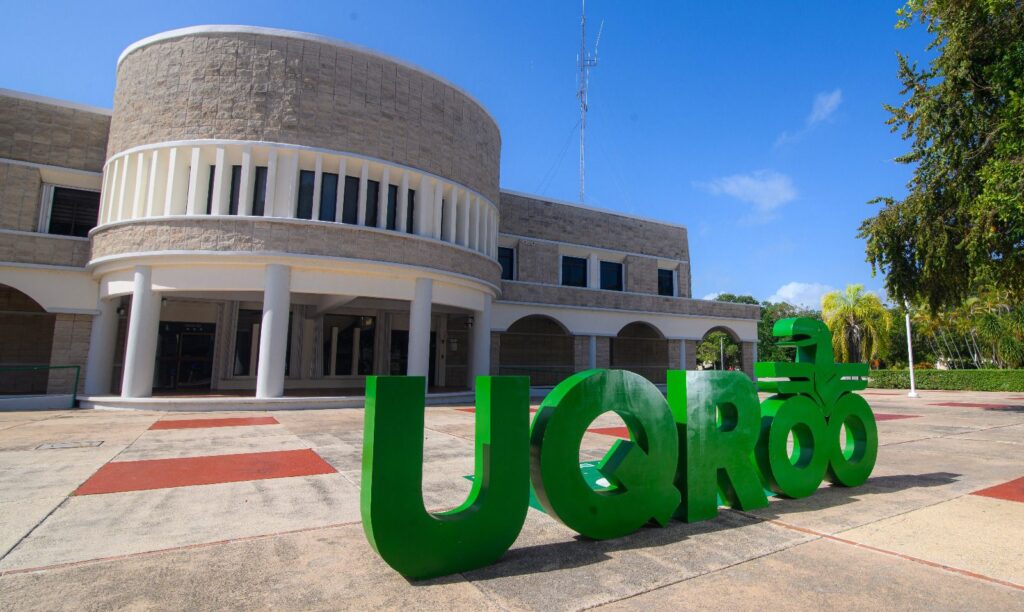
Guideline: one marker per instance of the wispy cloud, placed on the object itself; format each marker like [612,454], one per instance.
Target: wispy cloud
[807,295]
[824,105]
[765,189]
[711,296]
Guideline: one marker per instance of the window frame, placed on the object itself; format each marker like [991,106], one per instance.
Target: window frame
[49,190]
[586,271]
[622,275]
[512,266]
[673,290]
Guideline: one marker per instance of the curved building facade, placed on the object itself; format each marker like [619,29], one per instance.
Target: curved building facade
[280,211]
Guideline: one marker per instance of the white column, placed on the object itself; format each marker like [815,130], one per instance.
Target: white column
[382,199]
[419,328]
[247,182]
[485,231]
[221,184]
[438,204]
[143,324]
[191,208]
[339,204]
[364,177]
[481,347]
[139,192]
[99,367]
[403,203]
[318,185]
[682,354]
[422,206]
[450,211]
[111,211]
[271,192]
[157,184]
[177,182]
[287,197]
[462,226]
[274,332]
[474,224]
[592,353]
[122,198]
[495,223]
[593,272]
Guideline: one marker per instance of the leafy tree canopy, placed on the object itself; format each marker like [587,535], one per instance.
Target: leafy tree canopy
[961,225]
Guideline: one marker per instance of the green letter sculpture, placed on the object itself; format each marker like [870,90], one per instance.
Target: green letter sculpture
[640,470]
[717,418]
[814,399]
[410,539]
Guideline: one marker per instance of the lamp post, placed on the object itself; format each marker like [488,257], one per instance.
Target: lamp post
[721,350]
[910,351]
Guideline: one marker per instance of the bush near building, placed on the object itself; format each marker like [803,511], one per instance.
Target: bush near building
[949,380]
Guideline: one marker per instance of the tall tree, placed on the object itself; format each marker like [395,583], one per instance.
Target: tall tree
[961,226]
[858,321]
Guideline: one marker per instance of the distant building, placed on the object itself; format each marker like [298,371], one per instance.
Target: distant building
[268,213]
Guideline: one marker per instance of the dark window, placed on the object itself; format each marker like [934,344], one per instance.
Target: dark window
[348,350]
[73,212]
[244,355]
[372,194]
[411,212]
[574,271]
[305,208]
[209,189]
[666,284]
[507,259]
[392,216]
[611,275]
[350,207]
[236,188]
[328,196]
[259,191]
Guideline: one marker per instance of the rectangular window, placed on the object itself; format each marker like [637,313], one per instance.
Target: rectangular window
[304,210]
[259,191]
[236,189]
[574,271]
[348,345]
[73,212]
[666,282]
[209,189]
[611,275]
[411,212]
[328,196]
[507,259]
[392,216]
[350,207]
[372,195]
[247,342]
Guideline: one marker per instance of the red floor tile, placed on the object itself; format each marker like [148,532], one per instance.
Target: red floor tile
[618,432]
[200,423]
[117,477]
[1012,491]
[879,416]
[473,410]
[973,405]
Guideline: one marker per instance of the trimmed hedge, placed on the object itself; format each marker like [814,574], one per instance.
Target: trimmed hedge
[949,380]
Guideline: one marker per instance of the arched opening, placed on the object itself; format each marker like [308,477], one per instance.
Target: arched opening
[717,344]
[641,348]
[26,338]
[538,347]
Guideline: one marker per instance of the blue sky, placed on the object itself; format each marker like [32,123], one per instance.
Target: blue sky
[757,125]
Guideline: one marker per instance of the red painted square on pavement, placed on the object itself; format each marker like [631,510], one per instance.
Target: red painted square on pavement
[1011,491]
[618,432]
[972,405]
[201,423]
[121,476]
[880,416]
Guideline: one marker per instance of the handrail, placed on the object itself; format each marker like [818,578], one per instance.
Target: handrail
[76,368]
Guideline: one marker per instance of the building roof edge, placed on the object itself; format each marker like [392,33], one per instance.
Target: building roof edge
[22,95]
[607,211]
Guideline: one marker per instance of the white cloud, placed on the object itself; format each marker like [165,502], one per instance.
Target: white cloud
[765,189]
[825,104]
[807,295]
[711,296]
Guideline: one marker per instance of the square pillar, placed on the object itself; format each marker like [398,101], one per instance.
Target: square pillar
[274,332]
[749,356]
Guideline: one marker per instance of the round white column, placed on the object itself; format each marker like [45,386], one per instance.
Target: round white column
[419,328]
[100,365]
[274,332]
[143,324]
[592,352]
[481,348]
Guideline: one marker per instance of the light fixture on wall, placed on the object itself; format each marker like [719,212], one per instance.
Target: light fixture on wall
[469,322]
[121,311]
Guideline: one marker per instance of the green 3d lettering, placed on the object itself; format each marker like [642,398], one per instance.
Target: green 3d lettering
[708,442]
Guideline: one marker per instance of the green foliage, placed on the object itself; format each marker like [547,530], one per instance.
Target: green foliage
[709,351]
[961,225]
[949,380]
[858,321]
[768,346]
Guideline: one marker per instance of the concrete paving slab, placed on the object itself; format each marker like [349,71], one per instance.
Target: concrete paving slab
[31,474]
[18,518]
[99,526]
[979,534]
[160,447]
[824,575]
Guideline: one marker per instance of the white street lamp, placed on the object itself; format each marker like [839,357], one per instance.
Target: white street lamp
[910,352]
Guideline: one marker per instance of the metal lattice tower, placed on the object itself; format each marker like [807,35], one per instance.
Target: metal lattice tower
[584,63]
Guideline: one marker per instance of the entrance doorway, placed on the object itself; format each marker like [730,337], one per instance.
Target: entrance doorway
[184,356]
[399,361]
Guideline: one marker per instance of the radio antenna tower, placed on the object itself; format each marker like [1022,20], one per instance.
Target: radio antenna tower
[585,62]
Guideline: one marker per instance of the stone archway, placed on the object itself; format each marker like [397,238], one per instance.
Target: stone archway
[26,339]
[539,347]
[738,354]
[639,347]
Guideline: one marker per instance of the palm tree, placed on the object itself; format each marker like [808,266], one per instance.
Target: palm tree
[858,321]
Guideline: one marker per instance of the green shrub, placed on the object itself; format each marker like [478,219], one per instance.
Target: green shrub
[949,380]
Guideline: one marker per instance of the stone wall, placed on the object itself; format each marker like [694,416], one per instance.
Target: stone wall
[275,88]
[44,249]
[20,194]
[537,262]
[641,274]
[70,347]
[42,133]
[253,235]
[581,352]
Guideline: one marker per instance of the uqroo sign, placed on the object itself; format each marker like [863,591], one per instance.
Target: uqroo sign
[708,437]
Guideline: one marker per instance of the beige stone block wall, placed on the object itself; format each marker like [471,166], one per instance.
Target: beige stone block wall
[20,194]
[641,274]
[495,352]
[44,249]
[538,262]
[691,354]
[674,347]
[581,352]
[604,352]
[253,234]
[53,135]
[747,349]
[278,89]
[70,347]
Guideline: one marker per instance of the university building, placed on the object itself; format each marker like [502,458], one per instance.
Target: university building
[267,217]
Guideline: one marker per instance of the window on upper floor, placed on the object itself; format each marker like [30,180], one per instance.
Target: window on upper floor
[372,193]
[236,187]
[611,276]
[391,218]
[259,191]
[410,213]
[328,196]
[71,212]
[574,271]
[350,207]
[507,259]
[666,282]
[307,180]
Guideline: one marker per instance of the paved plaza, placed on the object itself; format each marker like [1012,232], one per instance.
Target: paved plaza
[123,509]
